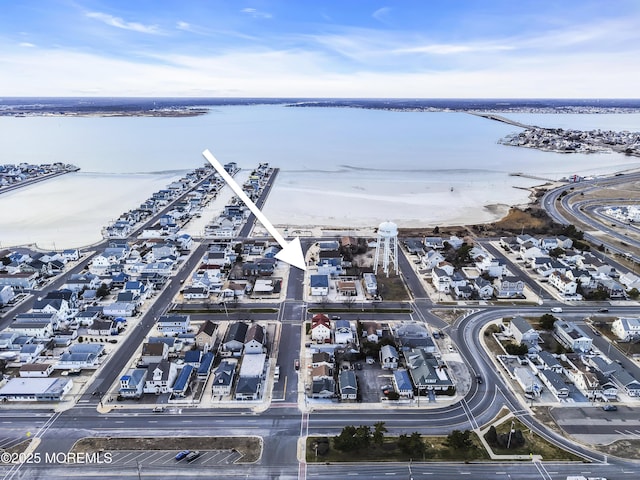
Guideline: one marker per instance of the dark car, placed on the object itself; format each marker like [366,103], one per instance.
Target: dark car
[603,310]
[193,456]
[182,454]
[609,408]
[478,379]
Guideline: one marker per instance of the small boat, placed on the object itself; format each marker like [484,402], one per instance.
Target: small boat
[452,189]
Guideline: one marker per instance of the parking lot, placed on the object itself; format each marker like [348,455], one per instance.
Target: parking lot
[167,458]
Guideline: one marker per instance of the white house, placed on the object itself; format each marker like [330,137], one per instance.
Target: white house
[440,280]
[343,333]
[562,283]
[320,328]
[572,336]
[174,324]
[522,331]
[509,287]
[6,294]
[254,340]
[389,357]
[160,377]
[626,329]
[319,285]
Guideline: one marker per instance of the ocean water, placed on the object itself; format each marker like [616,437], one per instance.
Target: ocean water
[339,166]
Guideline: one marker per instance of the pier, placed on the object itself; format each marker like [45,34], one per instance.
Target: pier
[500,118]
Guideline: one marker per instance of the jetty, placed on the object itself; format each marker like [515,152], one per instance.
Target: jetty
[500,118]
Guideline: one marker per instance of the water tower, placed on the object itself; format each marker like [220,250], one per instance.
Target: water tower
[388,246]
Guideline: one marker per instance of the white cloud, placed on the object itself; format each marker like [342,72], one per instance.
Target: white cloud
[26,45]
[256,13]
[183,26]
[120,23]
[381,13]
[452,49]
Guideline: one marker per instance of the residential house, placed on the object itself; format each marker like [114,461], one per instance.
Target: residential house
[343,333]
[493,267]
[389,357]
[626,329]
[223,377]
[206,336]
[329,263]
[36,370]
[319,285]
[414,246]
[195,293]
[323,388]
[132,383]
[204,369]
[322,358]
[346,288]
[555,382]
[431,259]
[19,281]
[154,353]
[548,361]
[402,383]
[320,328]
[102,327]
[174,324]
[614,289]
[249,386]
[562,283]
[39,329]
[77,361]
[183,381]
[435,243]
[440,280]
[509,287]
[348,385]
[233,341]
[571,336]
[370,283]
[120,309]
[160,377]
[321,371]
[371,331]
[30,352]
[415,335]
[426,372]
[6,294]
[484,288]
[626,382]
[522,331]
[255,339]
[77,282]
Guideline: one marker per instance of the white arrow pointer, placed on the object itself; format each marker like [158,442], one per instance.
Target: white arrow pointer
[291,252]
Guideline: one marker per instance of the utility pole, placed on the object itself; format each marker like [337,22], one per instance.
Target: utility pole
[510,433]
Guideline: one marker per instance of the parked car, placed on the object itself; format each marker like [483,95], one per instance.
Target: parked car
[296,364]
[609,408]
[193,455]
[182,454]
[335,317]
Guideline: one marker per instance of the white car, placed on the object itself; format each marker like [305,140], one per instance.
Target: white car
[556,310]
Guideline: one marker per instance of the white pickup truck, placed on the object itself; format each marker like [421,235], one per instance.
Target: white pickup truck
[580,477]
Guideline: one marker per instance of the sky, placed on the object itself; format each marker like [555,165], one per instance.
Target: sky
[321,48]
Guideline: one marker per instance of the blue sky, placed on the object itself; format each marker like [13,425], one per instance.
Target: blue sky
[321,48]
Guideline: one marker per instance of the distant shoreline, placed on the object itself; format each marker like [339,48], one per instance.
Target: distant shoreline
[190,107]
